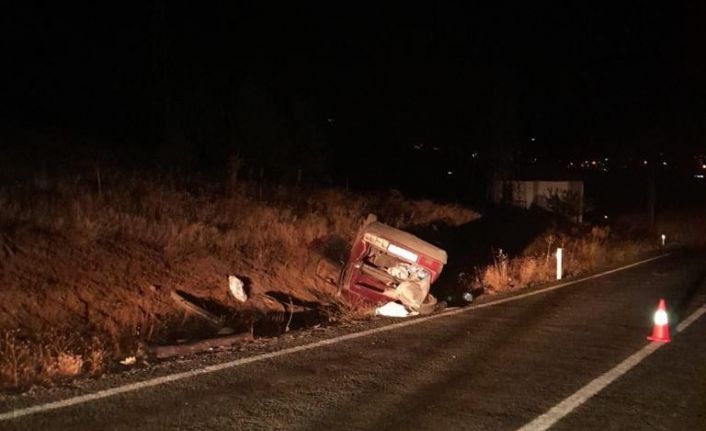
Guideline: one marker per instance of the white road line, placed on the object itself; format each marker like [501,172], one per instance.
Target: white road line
[553,415]
[239,362]
[691,319]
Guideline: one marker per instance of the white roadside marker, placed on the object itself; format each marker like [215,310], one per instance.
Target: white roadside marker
[132,387]
[559,268]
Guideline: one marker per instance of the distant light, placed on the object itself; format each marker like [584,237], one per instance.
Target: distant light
[593,162]
[449,173]
[474,155]
[644,162]
[664,163]
[605,217]
[703,166]
[330,120]
[701,176]
[532,139]
[606,159]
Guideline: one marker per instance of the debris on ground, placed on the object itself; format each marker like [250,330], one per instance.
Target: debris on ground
[130,360]
[237,288]
[226,331]
[393,309]
[188,306]
[163,352]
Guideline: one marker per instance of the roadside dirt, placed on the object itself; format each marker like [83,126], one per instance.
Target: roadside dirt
[121,288]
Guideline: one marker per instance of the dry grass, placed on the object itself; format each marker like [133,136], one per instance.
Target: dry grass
[63,365]
[685,228]
[17,360]
[582,252]
[176,218]
[53,357]
[497,275]
[345,312]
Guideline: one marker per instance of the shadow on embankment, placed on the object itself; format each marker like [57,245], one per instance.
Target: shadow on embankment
[473,244]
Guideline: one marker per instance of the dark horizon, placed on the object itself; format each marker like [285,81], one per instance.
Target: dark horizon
[569,73]
[339,92]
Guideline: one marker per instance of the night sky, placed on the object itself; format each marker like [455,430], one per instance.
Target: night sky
[578,77]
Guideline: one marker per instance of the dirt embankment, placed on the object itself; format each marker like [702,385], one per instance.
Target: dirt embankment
[79,264]
[121,287]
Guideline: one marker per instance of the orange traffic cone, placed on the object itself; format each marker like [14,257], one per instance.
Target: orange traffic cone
[660,331]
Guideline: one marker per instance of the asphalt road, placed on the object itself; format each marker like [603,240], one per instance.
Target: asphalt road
[491,368]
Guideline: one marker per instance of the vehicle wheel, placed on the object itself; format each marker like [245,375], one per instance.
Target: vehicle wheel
[429,305]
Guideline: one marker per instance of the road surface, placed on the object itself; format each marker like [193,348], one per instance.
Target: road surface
[490,368]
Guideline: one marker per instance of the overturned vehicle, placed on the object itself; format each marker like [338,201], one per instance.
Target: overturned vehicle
[386,264]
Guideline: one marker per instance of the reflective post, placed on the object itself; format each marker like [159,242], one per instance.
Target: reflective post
[559,268]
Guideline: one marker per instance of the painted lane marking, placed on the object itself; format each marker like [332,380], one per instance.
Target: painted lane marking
[691,319]
[556,413]
[81,399]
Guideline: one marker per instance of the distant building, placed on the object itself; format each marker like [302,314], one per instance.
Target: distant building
[563,197]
